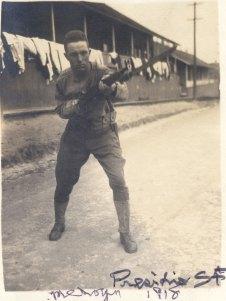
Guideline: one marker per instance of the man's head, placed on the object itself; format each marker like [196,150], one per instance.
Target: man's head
[77,50]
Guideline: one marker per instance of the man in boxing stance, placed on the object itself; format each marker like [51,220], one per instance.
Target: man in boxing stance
[91,129]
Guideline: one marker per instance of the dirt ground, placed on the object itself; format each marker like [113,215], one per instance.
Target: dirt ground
[173,173]
[24,140]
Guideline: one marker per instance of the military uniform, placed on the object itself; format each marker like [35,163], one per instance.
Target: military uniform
[91,129]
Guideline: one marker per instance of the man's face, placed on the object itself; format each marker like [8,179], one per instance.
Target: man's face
[77,54]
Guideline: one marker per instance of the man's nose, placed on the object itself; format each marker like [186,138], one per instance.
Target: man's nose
[80,58]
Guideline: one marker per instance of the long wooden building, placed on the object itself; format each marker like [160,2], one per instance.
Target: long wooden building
[107,31]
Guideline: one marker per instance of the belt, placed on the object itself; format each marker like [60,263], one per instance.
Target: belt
[102,122]
[95,133]
[98,124]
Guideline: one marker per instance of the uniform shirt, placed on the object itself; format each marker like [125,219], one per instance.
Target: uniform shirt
[97,112]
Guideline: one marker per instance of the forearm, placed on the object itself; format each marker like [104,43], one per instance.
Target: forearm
[122,92]
[67,109]
[116,90]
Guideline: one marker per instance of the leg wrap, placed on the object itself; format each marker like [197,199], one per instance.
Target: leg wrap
[120,193]
[60,209]
[62,193]
[123,213]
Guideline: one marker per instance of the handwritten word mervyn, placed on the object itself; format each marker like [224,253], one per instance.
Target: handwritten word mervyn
[79,292]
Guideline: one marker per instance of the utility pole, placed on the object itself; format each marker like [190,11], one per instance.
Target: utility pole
[194,61]
[194,51]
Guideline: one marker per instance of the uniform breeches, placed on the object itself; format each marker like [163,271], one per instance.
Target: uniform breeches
[75,148]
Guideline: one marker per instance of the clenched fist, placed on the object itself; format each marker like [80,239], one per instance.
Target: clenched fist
[68,108]
[107,90]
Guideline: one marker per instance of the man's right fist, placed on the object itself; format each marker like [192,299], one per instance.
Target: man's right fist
[68,108]
[70,104]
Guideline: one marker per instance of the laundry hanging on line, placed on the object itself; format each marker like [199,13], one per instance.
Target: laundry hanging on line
[2,63]
[96,56]
[58,58]
[52,58]
[16,48]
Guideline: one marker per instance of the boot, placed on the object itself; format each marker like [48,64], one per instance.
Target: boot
[123,212]
[59,226]
[128,243]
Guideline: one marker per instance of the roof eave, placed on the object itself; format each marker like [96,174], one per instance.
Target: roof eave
[136,25]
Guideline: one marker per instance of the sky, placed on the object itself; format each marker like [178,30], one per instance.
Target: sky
[171,19]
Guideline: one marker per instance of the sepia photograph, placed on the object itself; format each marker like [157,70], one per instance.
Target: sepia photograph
[111,136]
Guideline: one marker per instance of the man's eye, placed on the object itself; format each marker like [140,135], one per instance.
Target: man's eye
[73,54]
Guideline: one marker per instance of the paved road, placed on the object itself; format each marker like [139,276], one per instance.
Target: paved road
[174,178]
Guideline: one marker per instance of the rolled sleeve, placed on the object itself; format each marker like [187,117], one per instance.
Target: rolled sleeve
[122,91]
[59,95]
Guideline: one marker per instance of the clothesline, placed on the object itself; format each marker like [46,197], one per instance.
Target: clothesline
[53,61]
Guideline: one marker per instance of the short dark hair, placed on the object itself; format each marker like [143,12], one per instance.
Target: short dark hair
[74,36]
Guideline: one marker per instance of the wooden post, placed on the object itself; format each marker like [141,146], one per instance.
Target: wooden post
[132,44]
[186,75]
[175,65]
[113,39]
[85,25]
[151,46]
[53,22]
[148,47]
[167,60]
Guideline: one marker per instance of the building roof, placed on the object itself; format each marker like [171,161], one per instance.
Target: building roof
[115,15]
[188,58]
[215,66]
